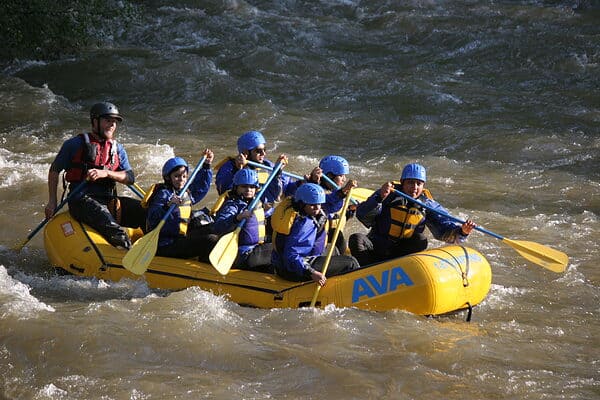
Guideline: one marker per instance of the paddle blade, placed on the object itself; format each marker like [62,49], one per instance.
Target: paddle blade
[18,247]
[361,194]
[539,254]
[142,252]
[225,252]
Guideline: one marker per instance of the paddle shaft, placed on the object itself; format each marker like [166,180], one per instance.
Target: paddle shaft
[137,190]
[134,188]
[225,252]
[544,256]
[421,204]
[268,168]
[186,186]
[143,251]
[72,193]
[332,245]
[301,178]
[274,171]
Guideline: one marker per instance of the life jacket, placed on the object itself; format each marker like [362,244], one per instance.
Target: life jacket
[222,162]
[246,234]
[263,174]
[283,218]
[185,208]
[406,216]
[219,203]
[94,154]
[334,218]
[259,214]
[145,203]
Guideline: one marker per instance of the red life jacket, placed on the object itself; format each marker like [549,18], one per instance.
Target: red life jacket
[94,154]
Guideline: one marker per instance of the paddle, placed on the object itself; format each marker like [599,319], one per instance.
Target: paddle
[359,194]
[541,255]
[225,251]
[332,245]
[143,250]
[137,190]
[268,168]
[73,192]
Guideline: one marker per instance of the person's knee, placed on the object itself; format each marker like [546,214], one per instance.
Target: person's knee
[354,263]
[359,243]
[420,241]
[353,242]
[211,240]
[120,240]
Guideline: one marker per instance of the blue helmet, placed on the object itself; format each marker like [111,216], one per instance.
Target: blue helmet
[245,176]
[414,171]
[250,140]
[173,163]
[335,164]
[310,193]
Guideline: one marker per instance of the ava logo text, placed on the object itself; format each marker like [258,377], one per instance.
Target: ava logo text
[388,281]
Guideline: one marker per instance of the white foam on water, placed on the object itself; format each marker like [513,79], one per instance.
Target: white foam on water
[501,297]
[149,159]
[51,391]
[19,65]
[200,307]
[85,289]
[17,299]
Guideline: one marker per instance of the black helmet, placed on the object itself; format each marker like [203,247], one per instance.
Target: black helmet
[105,109]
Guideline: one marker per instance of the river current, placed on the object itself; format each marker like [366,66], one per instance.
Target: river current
[499,100]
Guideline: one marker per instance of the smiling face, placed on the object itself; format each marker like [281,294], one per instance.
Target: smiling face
[178,178]
[246,191]
[339,180]
[257,154]
[413,187]
[107,128]
[312,210]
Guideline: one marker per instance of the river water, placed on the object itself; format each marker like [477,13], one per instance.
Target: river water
[501,102]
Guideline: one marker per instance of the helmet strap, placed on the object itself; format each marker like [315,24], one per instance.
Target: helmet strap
[248,154]
[327,183]
[99,132]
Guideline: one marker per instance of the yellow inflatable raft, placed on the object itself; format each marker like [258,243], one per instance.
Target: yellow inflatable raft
[432,282]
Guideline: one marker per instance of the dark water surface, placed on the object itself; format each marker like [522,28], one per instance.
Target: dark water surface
[500,100]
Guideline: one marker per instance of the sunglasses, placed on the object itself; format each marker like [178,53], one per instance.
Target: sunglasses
[259,151]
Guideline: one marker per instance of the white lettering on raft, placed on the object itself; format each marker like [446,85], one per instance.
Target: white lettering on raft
[451,262]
